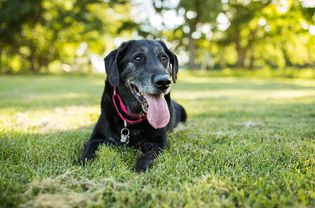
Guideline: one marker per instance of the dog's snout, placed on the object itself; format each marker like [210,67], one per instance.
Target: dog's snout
[161,81]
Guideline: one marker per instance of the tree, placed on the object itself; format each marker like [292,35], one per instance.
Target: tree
[195,14]
[15,14]
[241,32]
[44,32]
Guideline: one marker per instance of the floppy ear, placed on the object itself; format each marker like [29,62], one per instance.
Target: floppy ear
[111,68]
[111,65]
[173,60]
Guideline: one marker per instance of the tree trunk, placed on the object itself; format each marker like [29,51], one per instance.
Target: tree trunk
[33,63]
[241,53]
[241,57]
[191,52]
[251,58]
[1,67]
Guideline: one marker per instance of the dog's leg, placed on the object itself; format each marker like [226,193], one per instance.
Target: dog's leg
[151,150]
[97,138]
[89,150]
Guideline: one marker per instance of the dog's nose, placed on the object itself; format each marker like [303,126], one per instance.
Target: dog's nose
[161,81]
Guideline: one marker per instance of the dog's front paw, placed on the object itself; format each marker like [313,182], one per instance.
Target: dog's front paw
[144,163]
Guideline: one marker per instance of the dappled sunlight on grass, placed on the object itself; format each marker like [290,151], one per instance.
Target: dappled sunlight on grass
[49,103]
[56,119]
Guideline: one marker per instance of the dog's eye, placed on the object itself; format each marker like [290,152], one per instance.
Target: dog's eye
[137,58]
[164,59]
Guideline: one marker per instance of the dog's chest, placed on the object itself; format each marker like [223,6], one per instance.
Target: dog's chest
[137,136]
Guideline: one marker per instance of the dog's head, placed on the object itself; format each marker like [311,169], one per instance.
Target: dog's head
[142,71]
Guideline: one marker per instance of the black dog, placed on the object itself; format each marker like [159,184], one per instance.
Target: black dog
[136,106]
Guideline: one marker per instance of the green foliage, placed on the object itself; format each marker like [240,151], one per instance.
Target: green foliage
[247,143]
[53,31]
[255,34]
[57,36]
[16,13]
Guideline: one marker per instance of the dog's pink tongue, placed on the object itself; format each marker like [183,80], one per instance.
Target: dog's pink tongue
[158,114]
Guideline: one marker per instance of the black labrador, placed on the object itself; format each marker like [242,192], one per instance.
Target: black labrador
[136,106]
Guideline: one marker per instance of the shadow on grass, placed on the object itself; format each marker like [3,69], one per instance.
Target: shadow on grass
[48,92]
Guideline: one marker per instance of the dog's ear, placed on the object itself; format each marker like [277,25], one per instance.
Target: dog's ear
[173,61]
[111,64]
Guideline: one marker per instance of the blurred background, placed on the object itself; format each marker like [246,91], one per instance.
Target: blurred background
[225,37]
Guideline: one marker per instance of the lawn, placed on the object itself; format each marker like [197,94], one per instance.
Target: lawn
[248,143]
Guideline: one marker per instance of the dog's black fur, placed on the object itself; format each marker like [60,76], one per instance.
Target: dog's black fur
[123,68]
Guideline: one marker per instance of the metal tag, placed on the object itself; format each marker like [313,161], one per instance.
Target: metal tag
[124,135]
[124,138]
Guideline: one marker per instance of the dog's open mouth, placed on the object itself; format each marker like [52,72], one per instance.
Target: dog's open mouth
[140,97]
[154,105]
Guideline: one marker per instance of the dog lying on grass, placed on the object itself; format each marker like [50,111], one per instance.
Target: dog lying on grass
[136,106]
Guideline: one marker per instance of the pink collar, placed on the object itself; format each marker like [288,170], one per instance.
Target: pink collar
[136,119]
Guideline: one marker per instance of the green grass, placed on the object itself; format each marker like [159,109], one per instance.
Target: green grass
[248,143]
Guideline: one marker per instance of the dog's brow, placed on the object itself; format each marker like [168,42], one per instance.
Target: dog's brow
[144,49]
[157,50]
